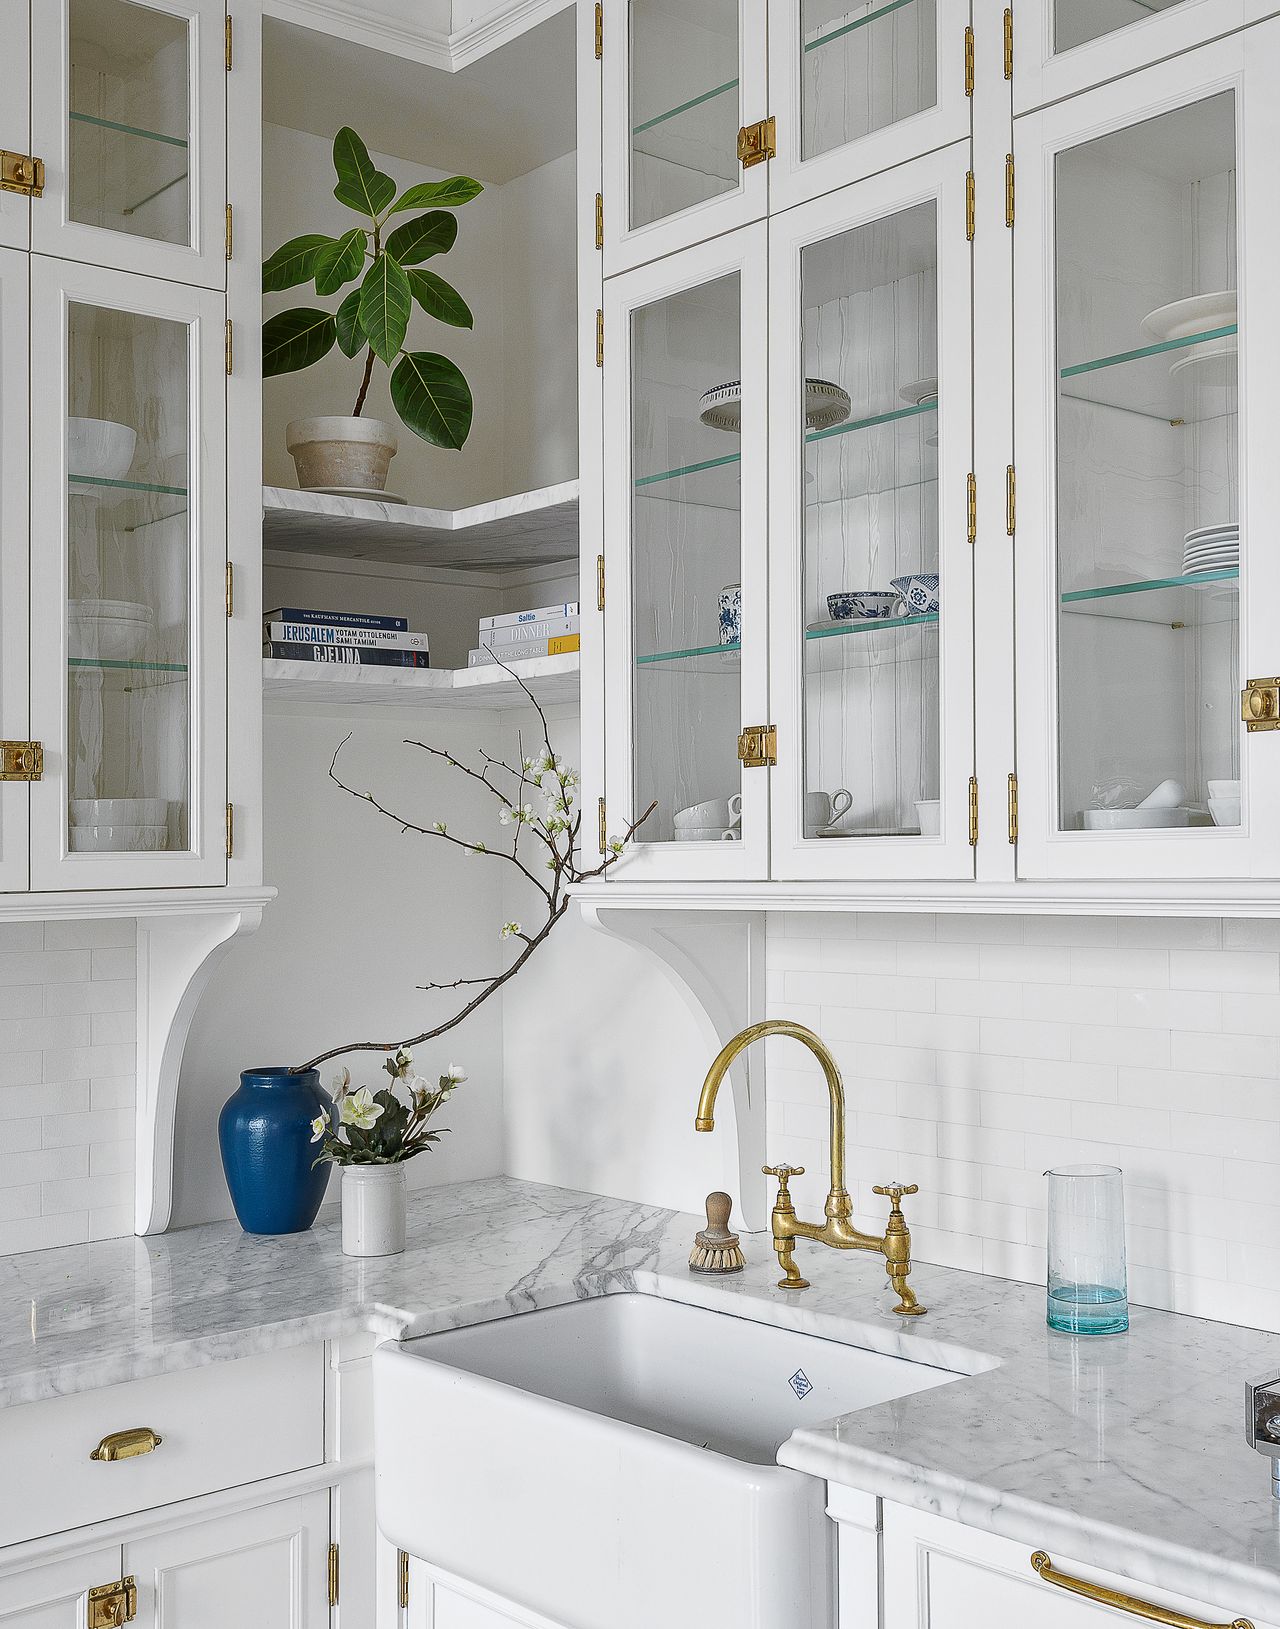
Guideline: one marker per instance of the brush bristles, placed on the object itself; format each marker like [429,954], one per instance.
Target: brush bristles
[726,1258]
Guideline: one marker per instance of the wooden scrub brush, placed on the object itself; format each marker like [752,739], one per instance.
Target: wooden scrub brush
[716,1250]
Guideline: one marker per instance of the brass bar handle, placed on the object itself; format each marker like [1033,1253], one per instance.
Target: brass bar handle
[1125,1603]
[139,1439]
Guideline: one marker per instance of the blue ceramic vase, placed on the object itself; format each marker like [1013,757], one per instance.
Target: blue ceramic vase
[264,1132]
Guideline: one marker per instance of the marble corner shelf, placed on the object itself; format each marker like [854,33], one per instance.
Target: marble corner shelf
[527,529]
[553,680]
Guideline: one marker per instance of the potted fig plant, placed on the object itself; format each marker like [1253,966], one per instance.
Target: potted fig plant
[383,257]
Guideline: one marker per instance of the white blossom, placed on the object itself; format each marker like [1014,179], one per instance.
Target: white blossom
[456,1073]
[341,1082]
[319,1126]
[509,930]
[360,1110]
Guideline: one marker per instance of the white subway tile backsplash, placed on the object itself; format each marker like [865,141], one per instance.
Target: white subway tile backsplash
[979,1051]
[67,1082]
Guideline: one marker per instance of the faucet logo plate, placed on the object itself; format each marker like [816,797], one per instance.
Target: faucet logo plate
[800,1384]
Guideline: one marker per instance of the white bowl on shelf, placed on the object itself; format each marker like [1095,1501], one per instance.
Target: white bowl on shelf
[1196,315]
[1224,789]
[1154,819]
[109,630]
[99,448]
[119,812]
[117,839]
[1225,811]
[929,814]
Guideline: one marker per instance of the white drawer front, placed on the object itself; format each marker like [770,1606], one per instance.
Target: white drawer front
[220,1426]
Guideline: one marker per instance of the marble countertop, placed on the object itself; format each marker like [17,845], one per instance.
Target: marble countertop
[1125,1452]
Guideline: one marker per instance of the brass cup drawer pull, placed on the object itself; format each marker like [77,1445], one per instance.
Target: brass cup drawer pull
[1125,1603]
[140,1439]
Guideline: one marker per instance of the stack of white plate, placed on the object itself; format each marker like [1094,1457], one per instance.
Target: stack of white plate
[112,825]
[1211,548]
[109,630]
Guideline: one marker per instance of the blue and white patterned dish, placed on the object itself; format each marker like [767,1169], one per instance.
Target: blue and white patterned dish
[919,593]
[731,614]
[862,604]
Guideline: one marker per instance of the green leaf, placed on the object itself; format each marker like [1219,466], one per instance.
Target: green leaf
[296,339]
[385,304]
[458,189]
[340,261]
[432,398]
[440,299]
[293,262]
[361,184]
[351,340]
[431,234]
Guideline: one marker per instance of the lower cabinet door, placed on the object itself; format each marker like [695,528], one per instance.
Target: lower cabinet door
[437,1600]
[56,1596]
[266,1568]
[941,1575]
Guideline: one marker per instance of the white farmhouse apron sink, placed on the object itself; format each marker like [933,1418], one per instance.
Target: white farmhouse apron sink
[610,1464]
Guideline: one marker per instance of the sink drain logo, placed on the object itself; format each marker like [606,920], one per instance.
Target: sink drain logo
[800,1384]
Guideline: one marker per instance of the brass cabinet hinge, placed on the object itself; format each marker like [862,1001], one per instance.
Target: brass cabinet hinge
[333,1575]
[231,591]
[757,143]
[972,506]
[231,831]
[758,746]
[229,342]
[1010,500]
[402,1559]
[602,821]
[968,61]
[112,1604]
[1013,808]
[599,582]
[1260,704]
[973,811]
[228,53]
[599,31]
[230,232]
[599,220]
[19,172]
[21,761]
[1008,42]
[599,339]
[970,205]
[1008,189]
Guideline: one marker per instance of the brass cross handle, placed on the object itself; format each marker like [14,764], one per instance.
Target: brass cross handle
[895,1192]
[784,1173]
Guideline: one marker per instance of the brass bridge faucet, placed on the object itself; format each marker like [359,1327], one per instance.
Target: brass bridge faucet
[837,1231]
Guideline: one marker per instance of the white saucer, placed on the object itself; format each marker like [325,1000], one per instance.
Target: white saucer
[375,493]
[868,831]
[919,392]
[1191,316]
[1213,363]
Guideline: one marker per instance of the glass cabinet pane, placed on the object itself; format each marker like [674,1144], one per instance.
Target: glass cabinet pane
[870,543]
[686,563]
[1075,22]
[683,115]
[1148,517]
[129,109]
[863,67]
[128,571]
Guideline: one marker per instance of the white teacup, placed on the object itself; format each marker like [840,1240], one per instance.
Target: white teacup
[929,814]
[708,834]
[822,808]
[721,812]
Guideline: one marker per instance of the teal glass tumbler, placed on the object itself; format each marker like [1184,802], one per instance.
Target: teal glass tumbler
[1088,1289]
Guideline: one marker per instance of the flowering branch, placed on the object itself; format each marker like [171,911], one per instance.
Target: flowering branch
[557,828]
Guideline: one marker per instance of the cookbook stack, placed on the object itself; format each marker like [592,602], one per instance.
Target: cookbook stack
[550,630]
[351,638]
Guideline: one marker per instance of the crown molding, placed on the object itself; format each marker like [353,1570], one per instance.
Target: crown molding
[367,25]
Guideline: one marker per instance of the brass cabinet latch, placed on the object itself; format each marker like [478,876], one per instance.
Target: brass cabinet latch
[757,143]
[19,172]
[758,746]
[111,1605]
[139,1439]
[21,761]
[1260,704]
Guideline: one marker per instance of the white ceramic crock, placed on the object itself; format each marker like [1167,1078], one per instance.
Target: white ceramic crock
[341,452]
[373,1204]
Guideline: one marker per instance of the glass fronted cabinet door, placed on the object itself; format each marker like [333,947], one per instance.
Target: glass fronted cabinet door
[15,125]
[129,120]
[685,495]
[684,84]
[871,425]
[858,87]
[1142,372]
[128,642]
[15,718]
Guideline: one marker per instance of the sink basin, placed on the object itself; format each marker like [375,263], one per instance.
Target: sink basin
[610,1464]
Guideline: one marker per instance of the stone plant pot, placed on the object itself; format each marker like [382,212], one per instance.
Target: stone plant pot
[373,1206]
[354,454]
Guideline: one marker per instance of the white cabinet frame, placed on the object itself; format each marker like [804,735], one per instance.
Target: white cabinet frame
[204,260]
[15,606]
[57,285]
[625,246]
[15,115]
[1245,64]
[940,179]
[741,254]
[792,179]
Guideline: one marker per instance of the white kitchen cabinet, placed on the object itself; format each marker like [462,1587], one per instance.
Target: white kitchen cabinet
[15,118]
[55,1596]
[941,1575]
[15,711]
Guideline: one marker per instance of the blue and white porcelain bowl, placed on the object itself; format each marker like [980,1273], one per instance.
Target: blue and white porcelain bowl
[731,614]
[862,604]
[918,593]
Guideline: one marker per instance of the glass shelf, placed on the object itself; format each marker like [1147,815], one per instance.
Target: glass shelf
[866,625]
[1175,601]
[127,130]
[1139,382]
[854,24]
[126,486]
